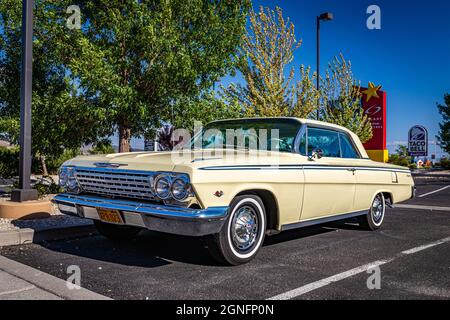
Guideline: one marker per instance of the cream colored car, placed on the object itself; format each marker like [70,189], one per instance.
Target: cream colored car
[234,183]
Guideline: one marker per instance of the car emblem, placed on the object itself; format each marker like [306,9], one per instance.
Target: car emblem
[109,165]
[218,193]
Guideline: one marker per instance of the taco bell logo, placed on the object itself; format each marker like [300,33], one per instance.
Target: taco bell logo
[418,141]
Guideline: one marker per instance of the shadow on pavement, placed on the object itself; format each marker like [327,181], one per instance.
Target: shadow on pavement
[153,249]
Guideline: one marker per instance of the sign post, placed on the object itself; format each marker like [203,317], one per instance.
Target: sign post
[418,141]
[25,192]
[374,102]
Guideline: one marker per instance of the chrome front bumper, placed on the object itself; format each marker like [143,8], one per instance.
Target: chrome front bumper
[163,218]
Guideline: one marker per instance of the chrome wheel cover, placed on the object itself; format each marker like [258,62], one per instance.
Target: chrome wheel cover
[244,228]
[377,209]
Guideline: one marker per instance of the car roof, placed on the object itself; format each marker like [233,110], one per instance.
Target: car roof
[355,138]
[300,120]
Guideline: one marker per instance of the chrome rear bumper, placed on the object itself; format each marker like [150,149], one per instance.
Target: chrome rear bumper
[163,218]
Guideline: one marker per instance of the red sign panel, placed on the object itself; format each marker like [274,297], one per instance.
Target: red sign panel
[374,105]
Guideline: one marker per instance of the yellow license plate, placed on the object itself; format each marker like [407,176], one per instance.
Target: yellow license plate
[108,215]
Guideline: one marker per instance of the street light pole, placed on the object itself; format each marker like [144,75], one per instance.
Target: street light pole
[327,16]
[25,192]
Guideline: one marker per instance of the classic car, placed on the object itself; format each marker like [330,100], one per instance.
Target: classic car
[236,182]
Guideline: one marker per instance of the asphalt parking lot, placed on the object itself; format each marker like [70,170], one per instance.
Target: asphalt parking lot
[329,261]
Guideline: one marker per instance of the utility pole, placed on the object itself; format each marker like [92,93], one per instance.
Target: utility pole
[25,192]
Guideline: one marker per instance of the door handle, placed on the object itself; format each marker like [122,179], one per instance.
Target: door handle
[352,170]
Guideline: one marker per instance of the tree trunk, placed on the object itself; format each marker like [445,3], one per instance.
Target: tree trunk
[124,137]
[43,165]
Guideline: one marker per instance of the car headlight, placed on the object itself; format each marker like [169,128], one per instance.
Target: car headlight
[162,186]
[180,189]
[68,181]
[63,177]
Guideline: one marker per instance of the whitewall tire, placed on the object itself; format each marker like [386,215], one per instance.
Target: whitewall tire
[243,232]
[374,218]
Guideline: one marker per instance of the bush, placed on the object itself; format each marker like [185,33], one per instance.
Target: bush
[9,162]
[53,164]
[412,166]
[44,186]
[444,163]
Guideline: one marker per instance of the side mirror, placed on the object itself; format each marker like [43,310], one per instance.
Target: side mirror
[316,154]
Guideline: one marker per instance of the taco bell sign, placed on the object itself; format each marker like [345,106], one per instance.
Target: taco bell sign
[418,141]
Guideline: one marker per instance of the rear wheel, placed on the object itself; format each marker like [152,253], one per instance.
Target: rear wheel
[116,232]
[243,232]
[375,216]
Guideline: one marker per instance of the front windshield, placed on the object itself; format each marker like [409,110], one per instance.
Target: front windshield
[251,134]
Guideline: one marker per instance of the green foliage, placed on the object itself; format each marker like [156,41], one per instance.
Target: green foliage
[53,163]
[402,158]
[444,132]
[267,50]
[204,108]
[341,96]
[137,59]
[444,163]
[44,186]
[9,162]
[412,166]
[102,147]
[62,118]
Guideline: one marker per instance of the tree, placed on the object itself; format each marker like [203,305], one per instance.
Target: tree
[139,58]
[205,108]
[267,50]
[401,157]
[61,117]
[341,97]
[444,132]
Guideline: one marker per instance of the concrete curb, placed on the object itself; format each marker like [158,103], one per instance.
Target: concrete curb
[26,235]
[47,282]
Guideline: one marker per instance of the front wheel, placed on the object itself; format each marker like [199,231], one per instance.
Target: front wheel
[243,232]
[375,216]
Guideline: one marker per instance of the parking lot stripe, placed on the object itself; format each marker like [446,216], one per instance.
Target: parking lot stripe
[349,273]
[427,246]
[438,190]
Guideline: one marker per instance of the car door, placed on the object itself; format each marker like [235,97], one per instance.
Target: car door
[329,181]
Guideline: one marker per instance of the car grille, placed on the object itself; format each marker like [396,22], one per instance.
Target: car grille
[112,183]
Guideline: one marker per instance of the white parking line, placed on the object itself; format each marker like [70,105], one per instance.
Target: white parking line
[349,273]
[438,190]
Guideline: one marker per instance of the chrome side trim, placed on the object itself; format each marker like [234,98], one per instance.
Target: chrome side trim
[321,220]
[300,167]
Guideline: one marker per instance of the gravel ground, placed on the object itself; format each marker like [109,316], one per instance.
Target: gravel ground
[56,220]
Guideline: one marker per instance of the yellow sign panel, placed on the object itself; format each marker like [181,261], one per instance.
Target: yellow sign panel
[378,155]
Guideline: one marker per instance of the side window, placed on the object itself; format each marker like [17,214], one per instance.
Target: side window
[327,140]
[347,148]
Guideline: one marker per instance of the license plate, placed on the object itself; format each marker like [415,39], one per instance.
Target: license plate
[108,215]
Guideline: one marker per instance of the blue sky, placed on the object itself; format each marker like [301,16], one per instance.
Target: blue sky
[409,56]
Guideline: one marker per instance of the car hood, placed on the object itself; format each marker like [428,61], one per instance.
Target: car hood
[181,161]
